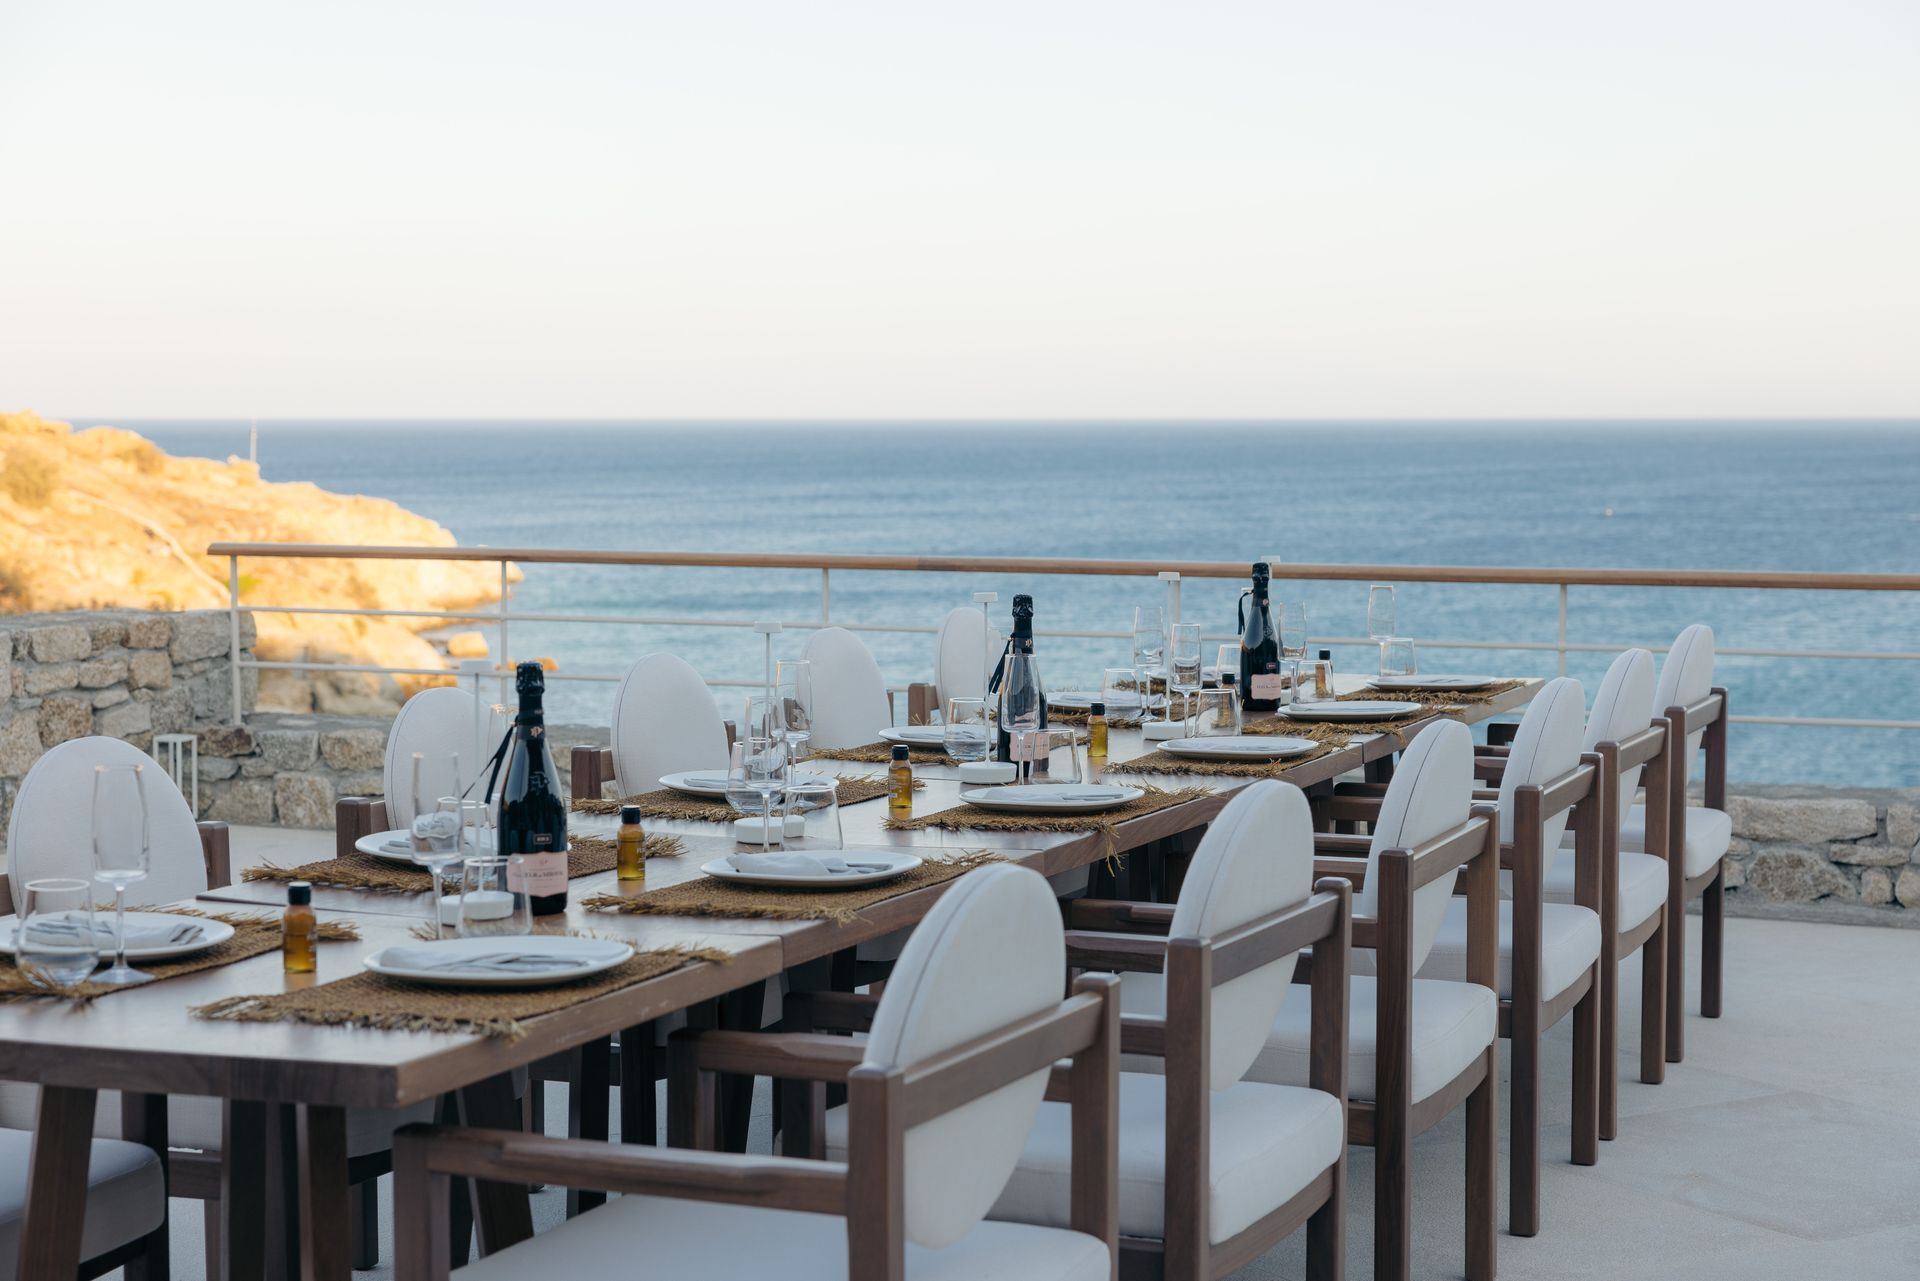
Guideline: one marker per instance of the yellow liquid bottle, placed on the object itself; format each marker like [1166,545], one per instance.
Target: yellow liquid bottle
[1097,732]
[900,782]
[299,930]
[631,862]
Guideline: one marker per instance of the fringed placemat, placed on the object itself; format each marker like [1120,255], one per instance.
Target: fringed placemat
[253,934]
[586,855]
[975,818]
[393,1005]
[1439,699]
[1163,763]
[711,897]
[1080,716]
[667,803]
[882,753]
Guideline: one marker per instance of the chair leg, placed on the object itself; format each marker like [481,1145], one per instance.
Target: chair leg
[363,1224]
[589,1087]
[1588,1036]
[1392,1195]
[1524,1176]
[1712,922]
[1676,981]
[1653,1005]
[1483,1173]
[1327,1230]
[211,1237]
[1609,982]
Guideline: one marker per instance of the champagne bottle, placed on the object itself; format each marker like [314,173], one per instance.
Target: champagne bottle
[1023,701]
[533,814]
[1259,645]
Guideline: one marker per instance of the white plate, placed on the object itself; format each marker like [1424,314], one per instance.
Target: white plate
[1056,798]
[1244,747]
[212,934]
[894,865]
[1433,682]
[397,847]
[594,956]
[713,783]
[915,735]
[1356,709]
[1079,700]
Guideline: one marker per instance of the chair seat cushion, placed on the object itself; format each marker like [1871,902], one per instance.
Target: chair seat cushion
[1268,1142]
[193,1121]
[1709,834]
[1643,885]
[1569,943]
[1453,1024]
[126,1195]
[673,1238]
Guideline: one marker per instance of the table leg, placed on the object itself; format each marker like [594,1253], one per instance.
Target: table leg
[320,1157]
[739,1012]
[56,1185]
[589,1082]
[639,1066]
[143,1120]
[500,1210]
[243,1187]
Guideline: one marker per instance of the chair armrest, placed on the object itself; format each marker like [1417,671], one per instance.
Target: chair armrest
[592,771]
[784,1056]
[1489,769]
[1349,806]
[1113,916]
[355,817]
[828,1012]
[1351,870]
[1359,789]
[1339,845]
[1143,1034]
[1132,953]
[215,850]
[509,1156]
[922,702]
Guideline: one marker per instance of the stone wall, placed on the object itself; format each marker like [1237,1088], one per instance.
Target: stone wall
[125,673]
[1825,853]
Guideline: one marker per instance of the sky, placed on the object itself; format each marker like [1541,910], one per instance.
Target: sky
[1050,208]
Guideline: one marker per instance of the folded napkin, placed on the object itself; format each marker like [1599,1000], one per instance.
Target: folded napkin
[505,960]
[788,864]
[139,933]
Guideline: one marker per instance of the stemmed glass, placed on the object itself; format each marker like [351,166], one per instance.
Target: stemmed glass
[793,693]
[1185,655]
[1380,618]
[56,941]
[1149,643]
[966,734]
[1290,620]
[121,842]
[757,774]
[442,840]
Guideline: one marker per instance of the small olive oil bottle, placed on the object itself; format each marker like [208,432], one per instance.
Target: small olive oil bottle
[1097,732]
[900,782]
[632,864]
[298,930]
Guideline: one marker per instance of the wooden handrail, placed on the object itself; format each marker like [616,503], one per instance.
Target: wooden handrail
[1509,574]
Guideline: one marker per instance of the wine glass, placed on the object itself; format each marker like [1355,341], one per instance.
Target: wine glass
[1397,657]
[1291,621]
[56,940]
[121,846]
[490,906]
[757,774]
[1380,611]
[1149,642]
[443,837]
[793,690]
[965,734]
[1184,653]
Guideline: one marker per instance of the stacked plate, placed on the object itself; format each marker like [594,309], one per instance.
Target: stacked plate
[396,846]
[915,735]
[1052,798]
[1244,747]
[526,960]
[1352,709]
[713,783]
[812,870]
[1391,683]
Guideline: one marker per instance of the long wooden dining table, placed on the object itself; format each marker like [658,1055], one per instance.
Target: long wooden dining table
[297,1080]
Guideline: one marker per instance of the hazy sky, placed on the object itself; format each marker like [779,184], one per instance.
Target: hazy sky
[783,209]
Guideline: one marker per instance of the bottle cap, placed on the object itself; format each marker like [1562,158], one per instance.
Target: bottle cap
[1327,654]
[1098,709]
[629,813]
[899,751]
[1228,678]
[300,894]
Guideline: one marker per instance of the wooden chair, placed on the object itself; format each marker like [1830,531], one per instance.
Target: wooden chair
[1417,1048]
[125,1206]
[1633,885]
[965,650]
[850,701]
[437,723]
[1549,953]
[942,1094]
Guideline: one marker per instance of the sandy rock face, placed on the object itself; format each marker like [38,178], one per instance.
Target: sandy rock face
[103,517]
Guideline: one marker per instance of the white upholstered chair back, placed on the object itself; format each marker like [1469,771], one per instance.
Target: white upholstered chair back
[664,721]
[1546,746]
[990,952]
[437,723]
[964,653]
[1686,677]
[1255,860]
[1431,791]
[49,833]
[1620,710]
[849,695]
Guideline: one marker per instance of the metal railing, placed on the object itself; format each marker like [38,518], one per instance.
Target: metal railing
[503,615]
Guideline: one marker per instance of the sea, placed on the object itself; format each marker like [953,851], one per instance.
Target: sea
[1841,496]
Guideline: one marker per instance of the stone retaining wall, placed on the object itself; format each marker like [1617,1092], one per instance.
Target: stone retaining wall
[1826,853]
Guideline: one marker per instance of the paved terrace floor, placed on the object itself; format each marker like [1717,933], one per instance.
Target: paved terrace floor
[1786,1147]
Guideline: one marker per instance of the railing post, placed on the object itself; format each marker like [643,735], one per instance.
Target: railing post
[826,596]
[506,663]
[1562,670]
[233,632]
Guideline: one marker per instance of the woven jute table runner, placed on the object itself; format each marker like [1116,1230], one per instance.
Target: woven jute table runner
[711,897]
[586,855]
[253,934]
[1162,763]
[882,753]
[1438,699]
[667,803]
[976,818]
[374,1001]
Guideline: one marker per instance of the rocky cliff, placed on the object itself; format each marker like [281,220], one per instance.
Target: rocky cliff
[103,517]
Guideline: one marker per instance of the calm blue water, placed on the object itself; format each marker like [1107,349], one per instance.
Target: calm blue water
[1842,497]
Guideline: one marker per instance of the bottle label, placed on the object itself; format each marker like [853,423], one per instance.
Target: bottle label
[539,875]
[1265,685]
